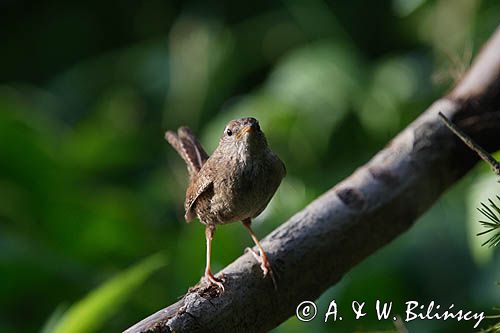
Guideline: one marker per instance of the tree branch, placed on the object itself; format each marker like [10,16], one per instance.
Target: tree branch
[381,200]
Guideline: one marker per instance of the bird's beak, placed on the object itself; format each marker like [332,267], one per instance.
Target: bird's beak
[244,130]
[247,129]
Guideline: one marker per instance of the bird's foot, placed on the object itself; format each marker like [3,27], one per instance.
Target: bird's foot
[213,281]
[265,265]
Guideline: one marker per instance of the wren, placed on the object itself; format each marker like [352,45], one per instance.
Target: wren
[235,183]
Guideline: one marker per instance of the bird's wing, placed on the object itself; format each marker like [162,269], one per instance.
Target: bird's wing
[189,148]
[199,189]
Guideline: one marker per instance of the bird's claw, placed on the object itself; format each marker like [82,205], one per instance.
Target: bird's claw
[213,281]
[265,265]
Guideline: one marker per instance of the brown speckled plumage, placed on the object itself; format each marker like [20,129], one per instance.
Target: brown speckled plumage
[235,183]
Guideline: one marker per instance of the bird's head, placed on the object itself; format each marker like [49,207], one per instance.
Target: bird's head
[243,136]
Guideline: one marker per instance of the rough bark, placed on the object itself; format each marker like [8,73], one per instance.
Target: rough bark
[363,213]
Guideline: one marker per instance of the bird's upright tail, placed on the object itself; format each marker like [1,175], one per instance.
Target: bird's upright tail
[190,149]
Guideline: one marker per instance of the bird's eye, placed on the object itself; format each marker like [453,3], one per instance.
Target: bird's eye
[229,132]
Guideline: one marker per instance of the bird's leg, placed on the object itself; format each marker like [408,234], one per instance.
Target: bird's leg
[209,277]
[262,257]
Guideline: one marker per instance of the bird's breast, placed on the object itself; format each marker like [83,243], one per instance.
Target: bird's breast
[244,189]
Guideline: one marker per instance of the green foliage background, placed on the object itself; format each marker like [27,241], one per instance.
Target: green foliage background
[89,187]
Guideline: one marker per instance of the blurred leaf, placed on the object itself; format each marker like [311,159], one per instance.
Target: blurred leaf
[496,155]
[90,313]
[197,48]
[319,83]
[484,188]
[26,141]
[143,66]
[54,319]
[393,82]
[406,7]
[318,78]
[107,138]
[447,25]
[315,18]
[110,211]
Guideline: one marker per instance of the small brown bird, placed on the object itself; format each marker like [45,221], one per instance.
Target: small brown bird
[234,184]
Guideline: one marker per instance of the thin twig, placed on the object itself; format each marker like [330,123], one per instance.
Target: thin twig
[495,165]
